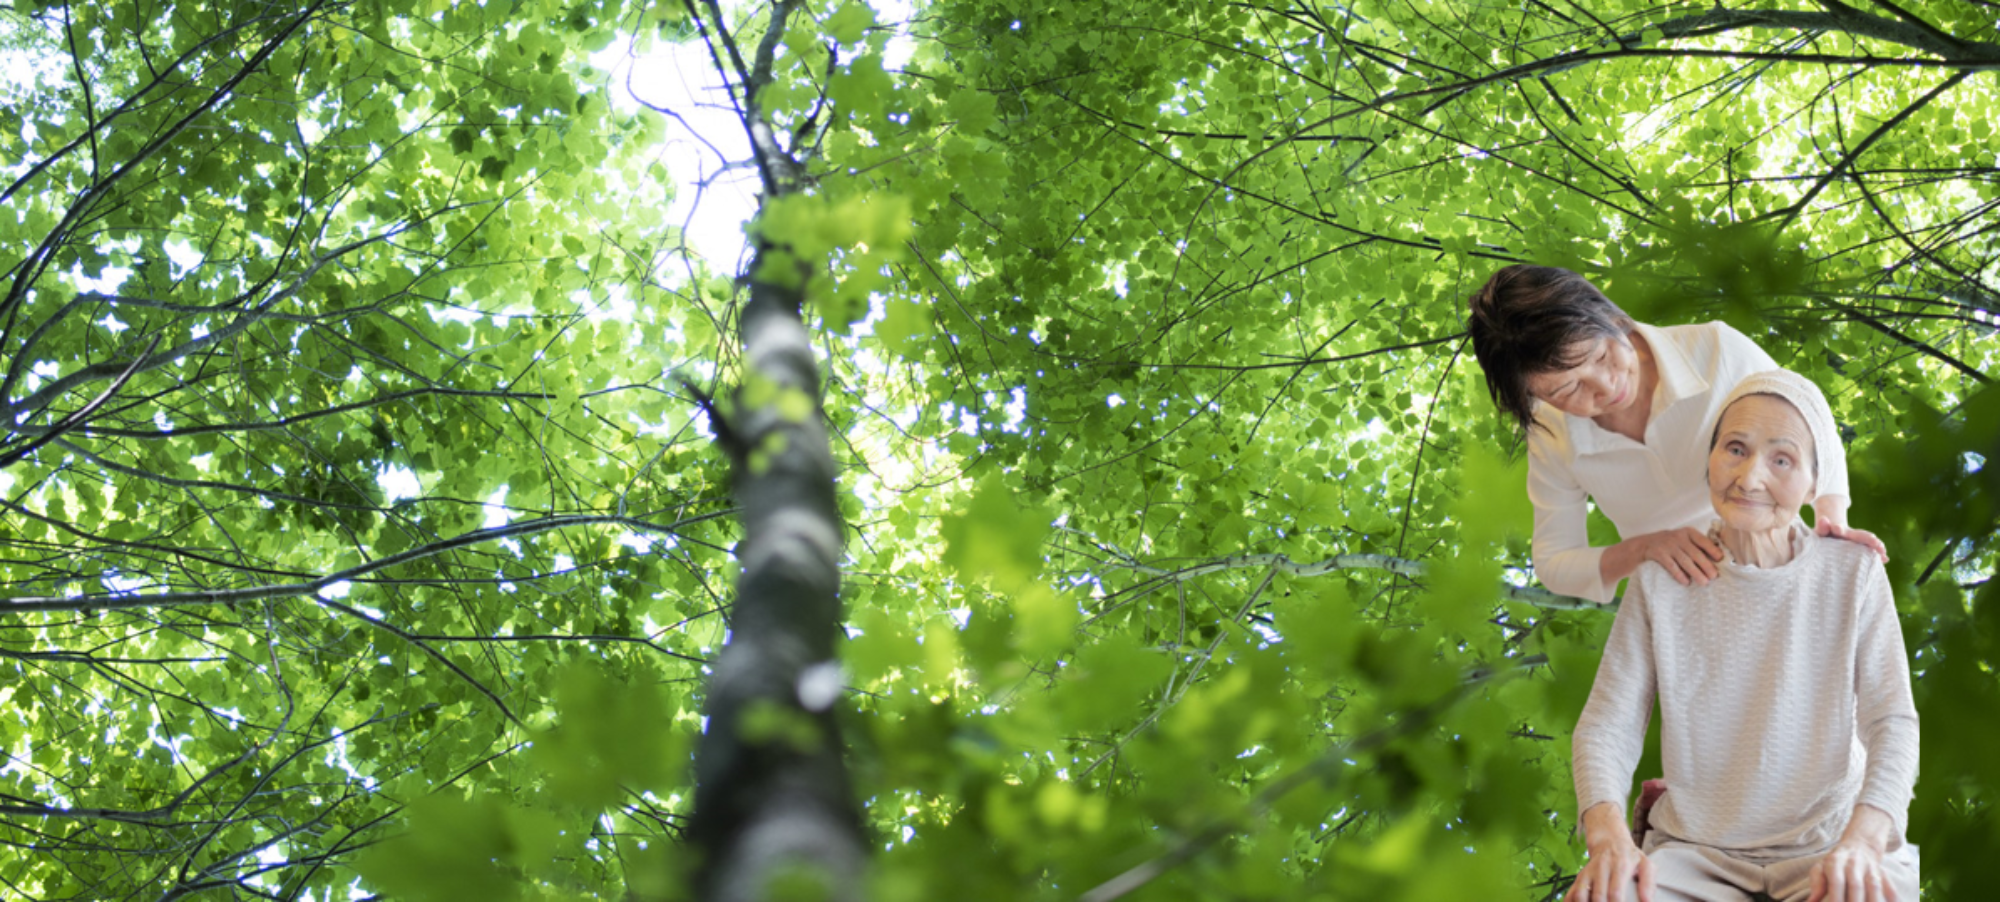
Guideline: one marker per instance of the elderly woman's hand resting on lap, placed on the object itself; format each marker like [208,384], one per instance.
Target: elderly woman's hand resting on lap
[1617,871]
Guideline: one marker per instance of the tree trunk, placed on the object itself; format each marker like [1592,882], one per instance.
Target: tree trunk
[772,800]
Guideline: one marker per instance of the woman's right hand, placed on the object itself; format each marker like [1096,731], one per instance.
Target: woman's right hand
[1688,554]
[1615,861]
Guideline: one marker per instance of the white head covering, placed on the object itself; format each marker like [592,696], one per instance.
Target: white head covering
[1806,398]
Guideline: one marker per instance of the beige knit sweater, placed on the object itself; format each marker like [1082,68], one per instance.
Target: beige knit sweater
[1784,700]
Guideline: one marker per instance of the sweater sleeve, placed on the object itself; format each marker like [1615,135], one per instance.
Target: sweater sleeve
[1611,734]
[1884,714]
[1564,560]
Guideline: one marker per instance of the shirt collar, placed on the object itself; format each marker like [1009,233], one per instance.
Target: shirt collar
[1678,380]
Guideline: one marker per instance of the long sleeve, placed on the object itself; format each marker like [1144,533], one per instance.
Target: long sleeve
[1564,560]
[1611,734]
[1884,713]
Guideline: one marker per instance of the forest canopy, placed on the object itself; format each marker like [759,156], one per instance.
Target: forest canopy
[386,472]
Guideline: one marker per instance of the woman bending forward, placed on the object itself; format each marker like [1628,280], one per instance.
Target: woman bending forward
[1615,411]
[1788,736]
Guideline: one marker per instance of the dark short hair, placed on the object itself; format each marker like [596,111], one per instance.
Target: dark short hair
[1528,320]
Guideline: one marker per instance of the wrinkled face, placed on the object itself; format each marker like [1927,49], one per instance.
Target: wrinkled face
[1760,470]
[1605,380]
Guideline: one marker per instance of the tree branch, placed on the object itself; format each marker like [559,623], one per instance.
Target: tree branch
[1787,214]
[129,601]
[1406,567]
[79,416]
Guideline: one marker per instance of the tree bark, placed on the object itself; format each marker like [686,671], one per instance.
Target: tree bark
[772,796]
[772,790]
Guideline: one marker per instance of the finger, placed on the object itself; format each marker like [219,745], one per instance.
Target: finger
[1626,886]
[1839,882]
[1645,878]
[1878,886]
[1619,889]
[1707,566]
[1687,563]
[1674,570]
[1818,882]
[1823,528]
[1706,544]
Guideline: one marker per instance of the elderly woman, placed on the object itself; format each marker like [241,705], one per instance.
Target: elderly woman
[1788,736]
[1615,412]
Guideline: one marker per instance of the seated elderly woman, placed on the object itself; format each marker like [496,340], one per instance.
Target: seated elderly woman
[1788,736]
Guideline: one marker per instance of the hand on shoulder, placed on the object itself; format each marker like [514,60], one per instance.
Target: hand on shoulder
[1687,555]
[1830,529]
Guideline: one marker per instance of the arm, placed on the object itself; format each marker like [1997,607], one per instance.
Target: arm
[1604,751]
[1886,718]
[1885,715]
[1564,560]
[1611,733]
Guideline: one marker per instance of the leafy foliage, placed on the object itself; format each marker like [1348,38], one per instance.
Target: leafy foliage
[357,528]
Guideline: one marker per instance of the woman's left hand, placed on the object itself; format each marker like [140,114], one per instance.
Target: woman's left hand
[1830,520]
[1852,872]
[1863,537]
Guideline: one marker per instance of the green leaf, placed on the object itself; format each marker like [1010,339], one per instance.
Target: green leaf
[996,538]
[848,23]
[456,847]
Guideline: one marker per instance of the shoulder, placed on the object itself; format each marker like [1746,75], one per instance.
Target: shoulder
[1715,343]
[1649,585]
[1549,438]
[1850,567]
[1848,559]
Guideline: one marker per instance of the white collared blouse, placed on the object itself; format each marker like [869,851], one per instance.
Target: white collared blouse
[1641,488]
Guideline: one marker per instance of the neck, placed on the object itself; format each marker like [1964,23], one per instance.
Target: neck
[1764,548]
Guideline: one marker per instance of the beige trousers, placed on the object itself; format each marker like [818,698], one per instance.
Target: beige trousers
[1684,872]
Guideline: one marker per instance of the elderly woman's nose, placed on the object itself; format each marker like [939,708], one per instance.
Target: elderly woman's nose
[1756,472]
